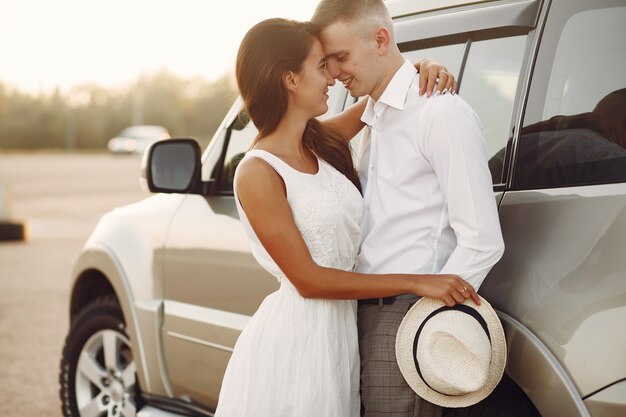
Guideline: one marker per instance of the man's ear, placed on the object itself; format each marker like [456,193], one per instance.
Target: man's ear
[383,39]
[290,79]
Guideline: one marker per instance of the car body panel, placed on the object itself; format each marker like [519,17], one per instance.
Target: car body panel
[197,344]
[198,252]
[478,17]
[610,402]
[399,8]
[142,329]
[135,233]
[122,248]
[540,375]
[570,288]
[206,244]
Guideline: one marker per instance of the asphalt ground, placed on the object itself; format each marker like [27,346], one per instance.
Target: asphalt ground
[60,198]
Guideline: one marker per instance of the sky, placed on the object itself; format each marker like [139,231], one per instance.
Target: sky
[46,44]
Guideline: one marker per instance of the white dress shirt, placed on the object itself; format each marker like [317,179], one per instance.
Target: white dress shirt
[429,202]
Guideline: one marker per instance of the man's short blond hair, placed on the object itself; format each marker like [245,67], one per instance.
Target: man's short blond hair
[366,15]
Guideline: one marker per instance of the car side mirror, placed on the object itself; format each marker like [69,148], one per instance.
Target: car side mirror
[172,166]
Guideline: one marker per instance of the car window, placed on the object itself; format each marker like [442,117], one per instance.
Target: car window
[236,147]
[488,85]
[449,55]
[575,133]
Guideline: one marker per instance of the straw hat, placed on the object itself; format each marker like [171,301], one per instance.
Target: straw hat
[451,356]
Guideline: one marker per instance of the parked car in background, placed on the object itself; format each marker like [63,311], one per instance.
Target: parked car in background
[163,287]
[136,139]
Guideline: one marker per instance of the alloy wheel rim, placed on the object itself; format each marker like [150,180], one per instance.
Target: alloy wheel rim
[105,383]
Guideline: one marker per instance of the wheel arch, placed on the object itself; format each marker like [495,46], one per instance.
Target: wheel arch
[88,286]
[98,273]
[538,373]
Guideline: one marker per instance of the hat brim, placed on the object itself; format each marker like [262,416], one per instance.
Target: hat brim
[404,353]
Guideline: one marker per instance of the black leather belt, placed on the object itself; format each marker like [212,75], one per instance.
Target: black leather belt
[377,301]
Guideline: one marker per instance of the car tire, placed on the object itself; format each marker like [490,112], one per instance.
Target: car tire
[97,372]
[506,400]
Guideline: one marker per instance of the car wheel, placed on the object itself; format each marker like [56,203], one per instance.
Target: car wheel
[98,376]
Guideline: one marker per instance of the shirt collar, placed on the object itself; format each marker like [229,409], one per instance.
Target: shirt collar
[393,96]
[369,117]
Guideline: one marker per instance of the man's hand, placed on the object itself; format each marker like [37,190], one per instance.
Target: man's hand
[431,73]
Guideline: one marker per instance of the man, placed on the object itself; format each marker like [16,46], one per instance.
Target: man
[429,204]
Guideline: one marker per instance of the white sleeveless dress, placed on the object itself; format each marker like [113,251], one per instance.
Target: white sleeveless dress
[299,357]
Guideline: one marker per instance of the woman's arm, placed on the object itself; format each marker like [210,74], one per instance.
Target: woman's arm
[348,123]
[261,192]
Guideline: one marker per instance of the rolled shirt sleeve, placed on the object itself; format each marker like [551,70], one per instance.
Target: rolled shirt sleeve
[451,140]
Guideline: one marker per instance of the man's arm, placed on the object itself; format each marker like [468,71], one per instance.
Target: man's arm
[453,142]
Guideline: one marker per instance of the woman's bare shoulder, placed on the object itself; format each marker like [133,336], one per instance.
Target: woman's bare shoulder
[257,174]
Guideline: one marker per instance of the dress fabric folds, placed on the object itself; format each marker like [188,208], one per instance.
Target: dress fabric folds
[299,356]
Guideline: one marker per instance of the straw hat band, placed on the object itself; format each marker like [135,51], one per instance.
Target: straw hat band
[458,307]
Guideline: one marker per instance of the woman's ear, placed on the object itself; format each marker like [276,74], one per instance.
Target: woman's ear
[291,80]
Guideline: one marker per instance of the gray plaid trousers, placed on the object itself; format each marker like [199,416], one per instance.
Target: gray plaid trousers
[384,392]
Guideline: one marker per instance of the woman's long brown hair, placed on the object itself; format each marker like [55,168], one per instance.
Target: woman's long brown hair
[267,52]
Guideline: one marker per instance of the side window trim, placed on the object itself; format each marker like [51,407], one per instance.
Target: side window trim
[519,108]
[219,174]
[520,14]
[468,45]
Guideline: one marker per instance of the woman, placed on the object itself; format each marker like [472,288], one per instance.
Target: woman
[298,198]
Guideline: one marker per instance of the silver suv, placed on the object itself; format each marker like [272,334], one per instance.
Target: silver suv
[163,287]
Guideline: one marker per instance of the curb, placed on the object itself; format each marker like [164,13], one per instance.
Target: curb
[12,231]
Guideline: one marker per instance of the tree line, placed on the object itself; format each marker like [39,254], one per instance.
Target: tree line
[89,115]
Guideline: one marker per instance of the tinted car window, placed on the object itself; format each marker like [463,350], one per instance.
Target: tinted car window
[489,84]
[449,55]
[580,138]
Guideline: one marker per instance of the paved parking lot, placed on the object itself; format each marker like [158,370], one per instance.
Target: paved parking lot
[60,197]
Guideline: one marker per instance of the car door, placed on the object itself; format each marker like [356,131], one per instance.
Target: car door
[211,282]
[563,274]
